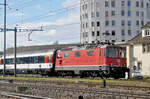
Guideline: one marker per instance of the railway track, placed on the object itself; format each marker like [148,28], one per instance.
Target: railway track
[75,89]
[86,84]
[7,95]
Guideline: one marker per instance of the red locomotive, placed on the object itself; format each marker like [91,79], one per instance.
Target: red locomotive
[105,61]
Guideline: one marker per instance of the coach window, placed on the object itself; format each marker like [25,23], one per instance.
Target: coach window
[26,60]
[66,55]
[41,59]
[30,60]
[90,53]
[35,59]
[77,54]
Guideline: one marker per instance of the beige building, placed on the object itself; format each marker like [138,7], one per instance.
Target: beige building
[138,51]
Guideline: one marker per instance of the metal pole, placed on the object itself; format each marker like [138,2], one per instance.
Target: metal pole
[4,38]
[15,44]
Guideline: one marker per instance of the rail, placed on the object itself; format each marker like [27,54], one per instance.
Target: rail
[19,96]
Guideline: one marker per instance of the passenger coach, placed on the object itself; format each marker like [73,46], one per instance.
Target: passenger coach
[28,63]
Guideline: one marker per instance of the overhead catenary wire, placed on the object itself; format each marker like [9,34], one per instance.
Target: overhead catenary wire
[45,15]
[51,13]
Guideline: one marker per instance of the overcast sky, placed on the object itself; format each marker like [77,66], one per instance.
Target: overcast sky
[59,18]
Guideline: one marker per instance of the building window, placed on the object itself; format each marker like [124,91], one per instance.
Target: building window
[142,4]
[142,14]
[86,15]
[129,23]
[129,13]
[146,48]
[147,32]
[142,23]
[106,23]
[92,24]
[113,22]
[112,13]
[106,33]
[122,3]
[83,35]
[122,13]
[122,32]
[97,33]
[83,26]
[137,4]
[137,23]
[113,33]
[106,14]
[93,33]
[98,24]
[83,16]
[86,34]
[97,14]
[113,41]
[139,65]
[137,32]
[123,40]
[147,5]
[85,6]
[93,42]
[113,3]
[97,4]
[123,23]
[129,32]
[92,14]
[129,3]
[86,25]
[106,4]
[137,13]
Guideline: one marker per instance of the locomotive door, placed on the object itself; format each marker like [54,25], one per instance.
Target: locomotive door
[59,59]
[101,56]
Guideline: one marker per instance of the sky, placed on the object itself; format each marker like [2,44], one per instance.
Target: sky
[59,19]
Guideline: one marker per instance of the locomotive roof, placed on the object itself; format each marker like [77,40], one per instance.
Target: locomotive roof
[89,47]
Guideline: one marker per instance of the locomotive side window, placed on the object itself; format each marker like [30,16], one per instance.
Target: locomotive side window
[77,54]
[114,52]
[111,52]
[90,53]
[66,55]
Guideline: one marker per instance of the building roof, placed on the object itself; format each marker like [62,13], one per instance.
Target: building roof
[140,39]
[146,26]
[40,48]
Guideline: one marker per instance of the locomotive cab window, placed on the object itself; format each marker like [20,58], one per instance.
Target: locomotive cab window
[66,55]
[90,53]
[122,53]
[77,54]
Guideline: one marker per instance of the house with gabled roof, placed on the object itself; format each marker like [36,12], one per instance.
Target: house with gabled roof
[138,51]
